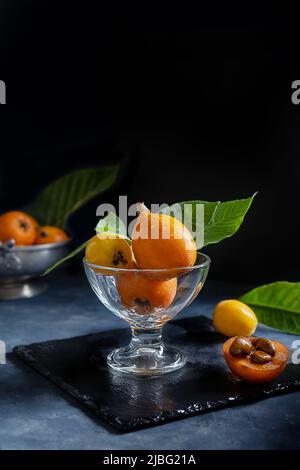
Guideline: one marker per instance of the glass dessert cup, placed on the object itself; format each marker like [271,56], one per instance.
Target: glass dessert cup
[146,354]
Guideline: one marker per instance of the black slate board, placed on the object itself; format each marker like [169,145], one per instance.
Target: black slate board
[78,366]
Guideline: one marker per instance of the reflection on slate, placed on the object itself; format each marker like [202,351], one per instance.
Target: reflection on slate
[78,366]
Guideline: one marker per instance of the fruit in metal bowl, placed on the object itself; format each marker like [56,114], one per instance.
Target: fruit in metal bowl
[25,231]
[49,234]
[18,226]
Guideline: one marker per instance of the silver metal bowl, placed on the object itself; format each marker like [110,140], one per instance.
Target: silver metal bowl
[22,266]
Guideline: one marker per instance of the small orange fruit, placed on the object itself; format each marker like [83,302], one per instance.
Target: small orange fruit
[143,294]
[109,249]
[234,318]
[162,242]
[35,224]
[18,226]
[49,234]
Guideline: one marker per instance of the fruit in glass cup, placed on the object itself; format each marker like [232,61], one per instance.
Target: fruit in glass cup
[143,295]
[158,242]
[110,250]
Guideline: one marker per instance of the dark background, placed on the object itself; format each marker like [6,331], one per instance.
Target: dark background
[194,99]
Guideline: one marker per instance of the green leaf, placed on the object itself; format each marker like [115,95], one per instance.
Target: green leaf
[64,196]
[276,305]
[66,258]
[220,219]
[111,223]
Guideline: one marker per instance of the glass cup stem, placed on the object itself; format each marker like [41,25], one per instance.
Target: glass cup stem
[150,340]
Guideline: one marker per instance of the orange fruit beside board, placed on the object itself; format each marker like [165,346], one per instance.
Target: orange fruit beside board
[245,369]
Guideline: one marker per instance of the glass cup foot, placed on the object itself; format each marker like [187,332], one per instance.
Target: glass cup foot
[145,358]
[145,362]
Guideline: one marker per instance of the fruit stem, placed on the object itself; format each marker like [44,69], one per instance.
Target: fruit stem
[141,208]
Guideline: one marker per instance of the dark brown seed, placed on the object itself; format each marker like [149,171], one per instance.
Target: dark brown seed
[142,302]
[241,346]
[119,258]
[260,357]
[264,344]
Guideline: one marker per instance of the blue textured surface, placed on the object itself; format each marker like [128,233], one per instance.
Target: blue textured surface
[37,415]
